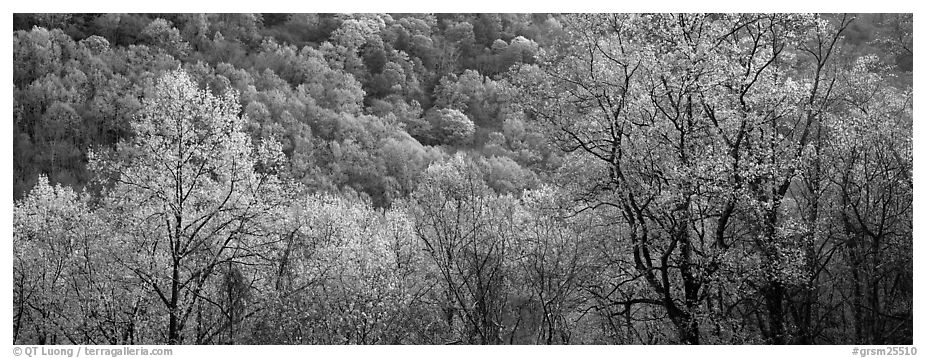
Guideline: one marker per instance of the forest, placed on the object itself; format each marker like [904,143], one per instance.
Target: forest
[303,179]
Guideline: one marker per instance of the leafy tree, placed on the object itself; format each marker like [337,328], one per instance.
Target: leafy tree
[54,247]
[479,97]
[555,264]
[345,273]
[450,126]
[163,35]
[868,162]
[696,123]
[467,231]
[187,196]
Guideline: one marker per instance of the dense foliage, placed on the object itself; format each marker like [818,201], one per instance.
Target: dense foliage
[462,178]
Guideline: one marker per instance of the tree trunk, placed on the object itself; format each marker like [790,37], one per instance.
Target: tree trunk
[774,300]
[173,331]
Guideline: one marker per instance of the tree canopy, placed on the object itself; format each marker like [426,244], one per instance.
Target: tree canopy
[462,178]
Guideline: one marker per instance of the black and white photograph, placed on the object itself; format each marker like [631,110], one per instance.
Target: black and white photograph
[318,179]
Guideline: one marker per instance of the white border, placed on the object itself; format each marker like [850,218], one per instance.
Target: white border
[480,6]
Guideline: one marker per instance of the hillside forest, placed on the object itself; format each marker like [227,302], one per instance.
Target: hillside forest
[462,179]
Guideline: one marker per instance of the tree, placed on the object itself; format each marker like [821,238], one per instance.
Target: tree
[698,125]
[161,33]
[467,231]
[52,238]
[867,166]
[451,126]
[555,262]
[482,99]
[346,273]
[187,195]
